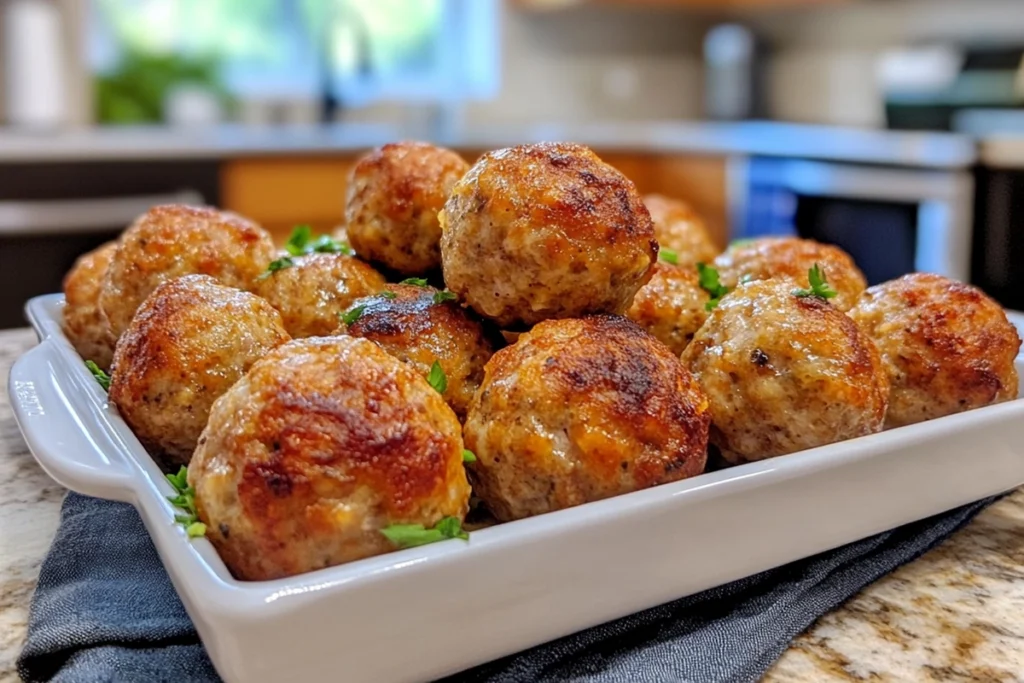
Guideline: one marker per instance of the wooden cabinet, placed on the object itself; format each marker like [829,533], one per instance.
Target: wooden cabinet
[280,193]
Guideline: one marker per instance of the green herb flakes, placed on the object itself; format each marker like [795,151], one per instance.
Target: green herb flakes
[102,378]
[819,285]
[709,282]
[437,378]
[412,535]
[185,500]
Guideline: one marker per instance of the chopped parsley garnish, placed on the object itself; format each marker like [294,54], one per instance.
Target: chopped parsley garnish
[388,294]
[668,256]
[468,455]
[414,281]
[186,500]
[102,378]
[437,378]
[441,297]
[412,535]
[819,285]
[710,283]
[741,243]
[301,241]
[276,265]
[353,314]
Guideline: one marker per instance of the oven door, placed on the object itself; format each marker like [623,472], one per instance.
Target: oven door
[892,221]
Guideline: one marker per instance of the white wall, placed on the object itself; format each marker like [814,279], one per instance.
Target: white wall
[823,65]
[591,63]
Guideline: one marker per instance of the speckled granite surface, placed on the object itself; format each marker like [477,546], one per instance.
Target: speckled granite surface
[956,614]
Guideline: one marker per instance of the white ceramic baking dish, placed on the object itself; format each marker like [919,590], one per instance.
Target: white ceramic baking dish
[426,612]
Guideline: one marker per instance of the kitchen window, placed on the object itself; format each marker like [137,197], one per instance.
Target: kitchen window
[359,51]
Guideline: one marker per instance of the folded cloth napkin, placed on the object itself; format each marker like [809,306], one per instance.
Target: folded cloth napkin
[105,610]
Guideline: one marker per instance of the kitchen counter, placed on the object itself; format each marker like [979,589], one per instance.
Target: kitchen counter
[924,150]
[955,614]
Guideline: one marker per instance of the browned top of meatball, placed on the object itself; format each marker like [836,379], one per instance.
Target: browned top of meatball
[84,323]
[158,232]
[352,410]
[671,306]
[567,187]
[411,175]
[793,257]
[678,227]
[638,395]
[947,345]
[785,373]
[410,324]
[82,283]
[316,289]
[174,240]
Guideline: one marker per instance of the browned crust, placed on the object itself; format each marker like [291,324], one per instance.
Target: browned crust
[564,185]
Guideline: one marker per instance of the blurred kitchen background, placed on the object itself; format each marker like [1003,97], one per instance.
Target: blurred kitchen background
[894,128]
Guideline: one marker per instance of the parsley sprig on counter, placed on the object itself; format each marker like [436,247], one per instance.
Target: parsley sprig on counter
[819,285]
[102,378]
[709,282]
[302,241]
[412,535]
[186,500]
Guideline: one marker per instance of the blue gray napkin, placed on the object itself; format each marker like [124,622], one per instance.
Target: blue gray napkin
[105,610]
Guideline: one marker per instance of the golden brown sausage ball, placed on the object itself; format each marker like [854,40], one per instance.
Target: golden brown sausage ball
[785,373]
[418,330]
[393,198]
[945,346]
[324,443]
[671,307]
[191,340]
[582,409]
[84,325]
[545,231]
[792,257]
[169,241]
[678,227]
[312,293]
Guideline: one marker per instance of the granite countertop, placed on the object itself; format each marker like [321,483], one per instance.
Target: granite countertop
[955,614]
[922,150]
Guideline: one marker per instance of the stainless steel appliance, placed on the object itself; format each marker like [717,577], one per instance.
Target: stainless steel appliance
[51,212]
[891,220]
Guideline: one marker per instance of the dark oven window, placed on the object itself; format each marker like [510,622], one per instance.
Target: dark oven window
[880,236]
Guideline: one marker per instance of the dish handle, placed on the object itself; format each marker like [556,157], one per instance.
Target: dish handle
[52,402]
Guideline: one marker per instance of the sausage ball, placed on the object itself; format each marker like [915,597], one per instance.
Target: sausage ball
[671,307]
[945,346]
[169,241]
[785,373]
[191,340]
[394,195]
[545,231]
[84,325]
[582,409]
[411,324]
[678,227]
[325,442]
[792,257]
[312,293]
